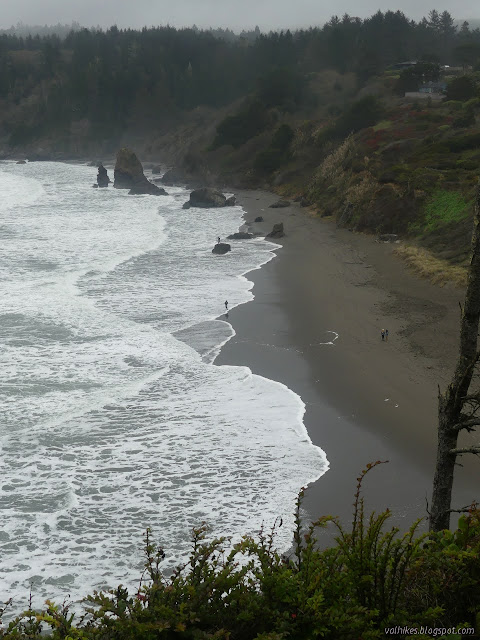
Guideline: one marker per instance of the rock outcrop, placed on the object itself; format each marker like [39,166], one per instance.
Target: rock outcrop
[280,204]
[129,174]
[221,247]
[157,169]
[173,176]
[206,198]
[277,231]
[102,177]
[147,188]
[240,235]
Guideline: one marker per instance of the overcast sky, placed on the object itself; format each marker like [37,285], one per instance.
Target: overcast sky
[236,14]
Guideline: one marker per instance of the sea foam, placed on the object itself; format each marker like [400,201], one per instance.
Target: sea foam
[114,418]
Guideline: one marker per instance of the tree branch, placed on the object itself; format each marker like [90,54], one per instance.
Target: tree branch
[474,450]
[466,424]
[470,507]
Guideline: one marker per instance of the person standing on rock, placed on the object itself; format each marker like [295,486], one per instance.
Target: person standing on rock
[218,240]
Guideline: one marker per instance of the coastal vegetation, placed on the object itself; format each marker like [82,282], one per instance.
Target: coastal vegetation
[371,583]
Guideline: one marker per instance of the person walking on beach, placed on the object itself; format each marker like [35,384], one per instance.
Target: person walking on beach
[386,335]
[383,335]
[226,305]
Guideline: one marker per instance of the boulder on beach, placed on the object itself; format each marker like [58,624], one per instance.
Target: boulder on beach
[240,235]
[102,177]
[128,174]
[206,198]
[387,237]
[221,247]
[277,231]
[229,202]
[258,219]
[280,204]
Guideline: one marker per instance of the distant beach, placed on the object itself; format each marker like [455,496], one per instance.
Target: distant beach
[365,399]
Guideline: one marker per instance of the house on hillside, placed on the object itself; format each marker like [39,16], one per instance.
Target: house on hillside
[432,90]
[433,87]
[401,66]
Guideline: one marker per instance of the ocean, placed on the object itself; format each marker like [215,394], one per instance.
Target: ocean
[113,415]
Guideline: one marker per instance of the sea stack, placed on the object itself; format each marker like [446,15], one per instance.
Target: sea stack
[129,174]
[102,177]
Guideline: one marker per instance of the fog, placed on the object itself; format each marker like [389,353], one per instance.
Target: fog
[235,14]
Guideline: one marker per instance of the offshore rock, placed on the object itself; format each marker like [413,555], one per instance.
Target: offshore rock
[21,162]
[147,188]
[277,231]
[128,170]
[207,198]
[129,174]
[240,235]
[221,247]
[102,177]
[173,176]
[258,219]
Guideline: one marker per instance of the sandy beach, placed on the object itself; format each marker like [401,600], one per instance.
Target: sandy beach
[315,325]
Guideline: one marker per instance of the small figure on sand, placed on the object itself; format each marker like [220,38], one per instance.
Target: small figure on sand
[386,335]
[218,240]
[383,335]
[226,305]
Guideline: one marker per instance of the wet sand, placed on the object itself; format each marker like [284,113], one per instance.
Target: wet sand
[365,399]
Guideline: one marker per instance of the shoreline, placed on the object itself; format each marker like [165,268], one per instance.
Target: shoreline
[364,400]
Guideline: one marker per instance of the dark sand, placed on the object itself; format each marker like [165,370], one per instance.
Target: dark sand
[365,400]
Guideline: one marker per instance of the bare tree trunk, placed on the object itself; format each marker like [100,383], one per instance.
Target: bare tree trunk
[451,419]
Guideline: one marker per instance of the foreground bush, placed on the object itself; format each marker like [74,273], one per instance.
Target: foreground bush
[371,579]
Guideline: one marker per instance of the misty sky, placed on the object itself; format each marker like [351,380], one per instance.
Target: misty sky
[236,14]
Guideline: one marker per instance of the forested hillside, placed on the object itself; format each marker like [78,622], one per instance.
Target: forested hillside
[319,114]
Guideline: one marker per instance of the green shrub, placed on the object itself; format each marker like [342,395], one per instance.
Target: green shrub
[462,143]
[236,130]
[369,579]
[277,153]
[465,119]
[453,105]
[462,88]
[443,208]
[473,103]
